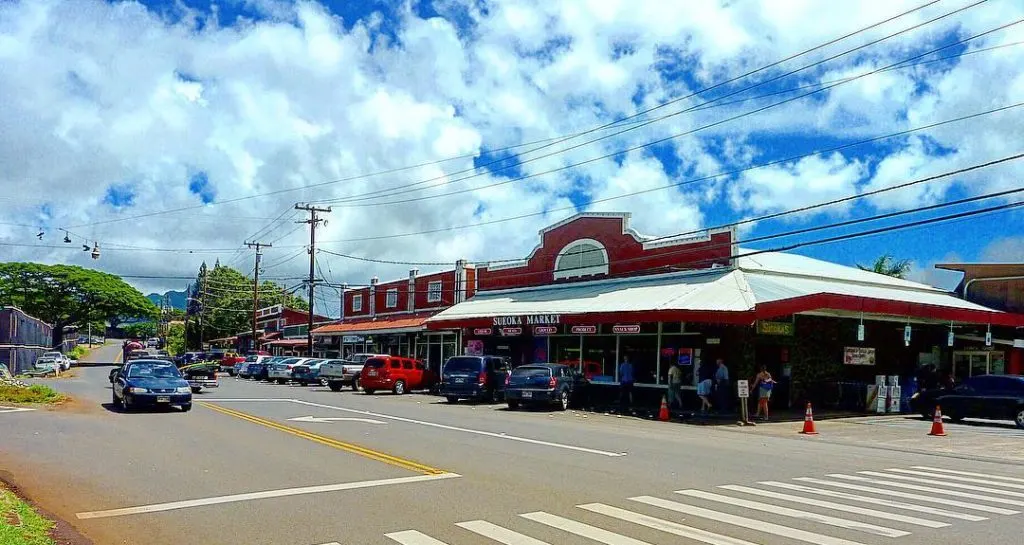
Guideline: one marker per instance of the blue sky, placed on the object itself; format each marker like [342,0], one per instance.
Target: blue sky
[162,107]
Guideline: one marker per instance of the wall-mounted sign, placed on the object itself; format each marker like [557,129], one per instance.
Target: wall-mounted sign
[530,319]
[623,329]
[860,332]
[481,331]
[765,327]
[352,339]
[511,331]
[685,357]
[583,329]
[858,355]
[949,338]
[474,348]
[545,330]
[906,335]
[714,340]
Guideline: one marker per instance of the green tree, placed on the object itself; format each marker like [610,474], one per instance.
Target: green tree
[889,266]
[64,295]
[140,330]
[176,338]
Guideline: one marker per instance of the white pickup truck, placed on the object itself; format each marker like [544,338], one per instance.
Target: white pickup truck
[345,373]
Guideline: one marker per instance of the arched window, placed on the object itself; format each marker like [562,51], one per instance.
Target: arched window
[583,257]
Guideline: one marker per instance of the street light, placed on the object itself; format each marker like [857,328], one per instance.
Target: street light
[95,250]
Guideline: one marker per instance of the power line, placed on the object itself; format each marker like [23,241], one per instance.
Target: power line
[561,138]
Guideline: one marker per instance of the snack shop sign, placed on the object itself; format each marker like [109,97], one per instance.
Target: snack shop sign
[529,319]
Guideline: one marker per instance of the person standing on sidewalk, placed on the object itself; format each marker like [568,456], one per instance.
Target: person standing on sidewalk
[675,386]
[764,384]
[626,380]
[722,385]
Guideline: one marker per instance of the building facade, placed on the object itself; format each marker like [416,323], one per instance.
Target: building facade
[22,339]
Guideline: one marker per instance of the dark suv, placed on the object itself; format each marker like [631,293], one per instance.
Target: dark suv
[474,377]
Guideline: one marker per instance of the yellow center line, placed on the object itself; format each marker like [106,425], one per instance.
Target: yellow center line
[340,445]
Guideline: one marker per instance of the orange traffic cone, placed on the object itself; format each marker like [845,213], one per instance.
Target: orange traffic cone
[809,422]
[663,413]
[937,428]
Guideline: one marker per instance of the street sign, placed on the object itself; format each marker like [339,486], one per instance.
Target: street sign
[906,335]
[988,338]
[860,332]
[743,389]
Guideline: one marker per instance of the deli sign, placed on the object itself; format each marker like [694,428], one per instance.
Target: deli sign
[528,320]
[482,331]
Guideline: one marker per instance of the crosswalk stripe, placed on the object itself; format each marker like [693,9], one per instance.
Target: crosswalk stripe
[837,506]
[667,526]
[909,496]
[499,534]
[944,483]
[744,522]
[796,513]
[971,474]
[920,488]
[957,478]
[412,537]
[875,501]
[583,530]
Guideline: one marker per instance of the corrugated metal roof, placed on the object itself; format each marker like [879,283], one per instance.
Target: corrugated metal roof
[799,265]
[380,325]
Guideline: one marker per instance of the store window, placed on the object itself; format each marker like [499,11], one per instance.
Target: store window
[581,258]
[392,298]
[357,303]
[599,357]
[434,292]
[642,351]
[674,350]
[565,349]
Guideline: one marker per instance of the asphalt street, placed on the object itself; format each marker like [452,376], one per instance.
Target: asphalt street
[269,464]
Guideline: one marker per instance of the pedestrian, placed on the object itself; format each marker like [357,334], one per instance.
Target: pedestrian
[704,392]
[764,384]
[675,386]
[722,385]
[626,380]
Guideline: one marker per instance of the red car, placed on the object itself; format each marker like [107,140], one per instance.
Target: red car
[591,369]
[394,373]
[230,362]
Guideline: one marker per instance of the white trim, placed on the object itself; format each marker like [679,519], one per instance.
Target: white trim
[431,291]
[388,303]
[580,271]
[357,298]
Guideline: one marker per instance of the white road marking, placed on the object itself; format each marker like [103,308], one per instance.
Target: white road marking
[241,399]
[907,486]
[463,430]
[499,534]
[796,513]
[184,504]
[412,537]
[944,483]
[909,496]
[582,530]
[14,410]
[335,419]
[971,474]
[837,506]
[744,522]
[331,543]
[875,501]
[667,526]
[956,478]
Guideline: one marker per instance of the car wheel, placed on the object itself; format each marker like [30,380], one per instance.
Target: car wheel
[355,384]
[369,391]
[126,404]
[281,381]
[186,407]
[1019,420]
[953,417]
[302,383]
[452,399]
[513,405]
[196,390]
[399,388]
[563,400]
[116,401]
[334,386]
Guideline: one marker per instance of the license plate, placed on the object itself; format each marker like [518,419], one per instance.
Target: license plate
[371,373]
[527,394]
[163,399]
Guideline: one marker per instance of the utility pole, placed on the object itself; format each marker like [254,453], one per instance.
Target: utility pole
[256,287]
[202,306]
[313,221]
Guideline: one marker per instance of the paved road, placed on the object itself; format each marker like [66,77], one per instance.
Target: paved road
[269,464]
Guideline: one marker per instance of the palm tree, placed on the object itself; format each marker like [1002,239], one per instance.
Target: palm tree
[888,266]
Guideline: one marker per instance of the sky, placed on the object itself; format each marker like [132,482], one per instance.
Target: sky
[172,131]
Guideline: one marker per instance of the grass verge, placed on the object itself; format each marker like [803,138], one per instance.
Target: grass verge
[20,524]
[37,393]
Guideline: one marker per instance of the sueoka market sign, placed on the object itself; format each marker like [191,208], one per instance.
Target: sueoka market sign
[528,320]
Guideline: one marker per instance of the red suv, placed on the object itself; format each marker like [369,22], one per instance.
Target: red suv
[394,373]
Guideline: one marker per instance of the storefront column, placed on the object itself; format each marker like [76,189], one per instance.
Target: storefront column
[579,362]
[617,358]
[657,353]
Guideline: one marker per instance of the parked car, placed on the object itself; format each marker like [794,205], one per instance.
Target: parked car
[246,368]
[153,342]
[200,375]
[114,372]
[139,354]
[281,371]
[341,373]
[260,369]
[989,397]
[61,362]
[229,361]
[308,372]
[544,384]
[400,375]
[48,364]
[474,377]
[188,357]
[150,383]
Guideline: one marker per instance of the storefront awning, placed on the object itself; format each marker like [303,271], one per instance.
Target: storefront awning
[762,286]
[288,342]
[380,326]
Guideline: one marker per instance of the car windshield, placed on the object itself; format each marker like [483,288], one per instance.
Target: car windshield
[289,361]
[375,363]
[359,358]
[251,358]
[462,365]
[153,370]
[531,372]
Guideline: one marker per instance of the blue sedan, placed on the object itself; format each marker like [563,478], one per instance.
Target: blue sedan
[150,383]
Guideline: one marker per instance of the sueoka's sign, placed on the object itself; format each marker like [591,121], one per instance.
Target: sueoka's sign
[626,328]
[765,327]
[529,319]
[545,330]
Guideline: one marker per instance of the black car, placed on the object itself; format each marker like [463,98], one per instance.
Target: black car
[474,377]
[150,383]
[989,397]
[544,384]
